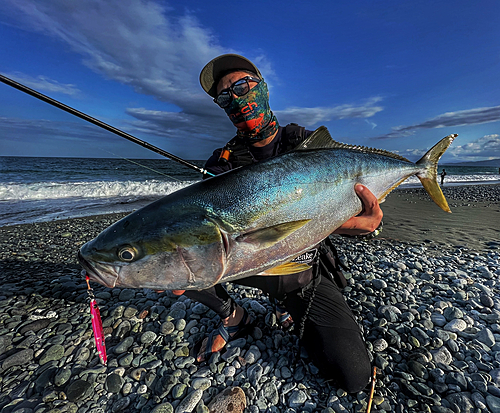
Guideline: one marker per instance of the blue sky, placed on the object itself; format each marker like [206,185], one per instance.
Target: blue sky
[397,75]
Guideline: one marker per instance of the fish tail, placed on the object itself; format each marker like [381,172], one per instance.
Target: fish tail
[428,177]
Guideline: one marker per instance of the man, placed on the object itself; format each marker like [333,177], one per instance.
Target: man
[326,325]
[443,174]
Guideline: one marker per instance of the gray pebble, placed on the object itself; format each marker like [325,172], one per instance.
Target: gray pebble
[124,345]
[113,383]
[456,325]
[442,355]
[18,359]
[493,403]
[188,404]
[148,337]
[78,390]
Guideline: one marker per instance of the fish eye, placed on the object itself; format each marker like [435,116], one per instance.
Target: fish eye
[126,254]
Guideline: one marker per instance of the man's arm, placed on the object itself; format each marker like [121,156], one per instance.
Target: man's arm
[368,220]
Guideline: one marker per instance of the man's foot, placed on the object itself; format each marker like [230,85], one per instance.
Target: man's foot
[232,327]
[285,320]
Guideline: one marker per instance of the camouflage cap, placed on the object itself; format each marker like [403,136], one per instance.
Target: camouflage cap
[220,66]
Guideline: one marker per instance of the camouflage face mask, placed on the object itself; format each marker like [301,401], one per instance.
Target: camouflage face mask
[252,115]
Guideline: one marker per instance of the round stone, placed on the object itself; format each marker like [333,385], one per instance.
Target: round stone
[451,313]
[130,312]
[137,374]
[232,400]
[380,345]
[252,355]
[163,408]
[390,312]
[62,376]
[456,325]
[56,352]
[113,383]
[167,328]
[179,390]
[486,300]
[485,336]
[18,359]
[78,390]
[124,345]
[379,284]
[297,398]
[200,309]
[442,355]
[201,383]
[148,337]
[126,294]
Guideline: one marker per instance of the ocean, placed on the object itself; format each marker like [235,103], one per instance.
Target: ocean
[46,189]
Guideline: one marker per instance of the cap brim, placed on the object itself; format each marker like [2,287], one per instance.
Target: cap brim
[216,68]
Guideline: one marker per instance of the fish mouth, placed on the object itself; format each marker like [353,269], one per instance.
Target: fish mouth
[104,274]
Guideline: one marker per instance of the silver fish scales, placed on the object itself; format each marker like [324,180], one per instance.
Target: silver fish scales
[252,220]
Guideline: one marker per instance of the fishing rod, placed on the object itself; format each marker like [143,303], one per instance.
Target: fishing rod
[99,123]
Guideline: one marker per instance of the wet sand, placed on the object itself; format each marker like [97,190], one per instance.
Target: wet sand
[411,216]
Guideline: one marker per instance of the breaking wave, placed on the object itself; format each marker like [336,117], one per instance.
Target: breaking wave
[97,189]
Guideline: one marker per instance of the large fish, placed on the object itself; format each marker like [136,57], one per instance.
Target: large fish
[251,220]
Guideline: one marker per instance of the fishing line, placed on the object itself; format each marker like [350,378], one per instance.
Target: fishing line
[137,163]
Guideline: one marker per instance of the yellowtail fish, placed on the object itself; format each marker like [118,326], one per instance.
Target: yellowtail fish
[253,220]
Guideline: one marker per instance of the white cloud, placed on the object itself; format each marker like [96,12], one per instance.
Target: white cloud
[474,116]
[136,43]
[486,147]
[44,84]
[313,116]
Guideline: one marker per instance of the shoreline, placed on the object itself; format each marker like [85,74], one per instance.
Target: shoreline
[409,216]
[426,293]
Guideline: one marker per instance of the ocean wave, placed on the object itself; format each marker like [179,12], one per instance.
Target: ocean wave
[97,189]
[458,179]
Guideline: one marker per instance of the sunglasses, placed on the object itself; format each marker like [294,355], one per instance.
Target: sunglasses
[239,88]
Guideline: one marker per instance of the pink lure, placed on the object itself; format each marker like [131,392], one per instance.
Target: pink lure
[97,326]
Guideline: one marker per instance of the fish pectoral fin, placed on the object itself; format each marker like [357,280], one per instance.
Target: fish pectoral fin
[266,237]
[285,269]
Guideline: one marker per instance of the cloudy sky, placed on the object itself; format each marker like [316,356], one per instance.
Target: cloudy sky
[387,74]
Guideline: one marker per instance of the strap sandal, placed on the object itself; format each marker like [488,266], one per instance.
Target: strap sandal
[217,339]
[284,317]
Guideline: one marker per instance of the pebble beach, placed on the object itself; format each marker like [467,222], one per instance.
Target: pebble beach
[426,293]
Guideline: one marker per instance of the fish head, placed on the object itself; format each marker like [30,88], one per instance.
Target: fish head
[144,250]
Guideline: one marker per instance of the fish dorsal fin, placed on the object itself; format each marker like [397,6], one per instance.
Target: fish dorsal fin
[266,237]
[321,139]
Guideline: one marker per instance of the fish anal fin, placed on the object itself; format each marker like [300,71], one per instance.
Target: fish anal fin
[269,236]
[286,269]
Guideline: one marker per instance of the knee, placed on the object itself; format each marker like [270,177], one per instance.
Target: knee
[357,379]
[353,377]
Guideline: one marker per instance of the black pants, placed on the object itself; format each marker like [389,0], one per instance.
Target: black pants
[331,335]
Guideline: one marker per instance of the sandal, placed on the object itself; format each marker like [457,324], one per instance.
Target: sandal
[217,339]
[284,317]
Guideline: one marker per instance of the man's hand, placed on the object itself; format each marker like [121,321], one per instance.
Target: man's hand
[369,218]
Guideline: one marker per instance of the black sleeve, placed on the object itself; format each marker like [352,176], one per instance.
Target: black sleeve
[214,166]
